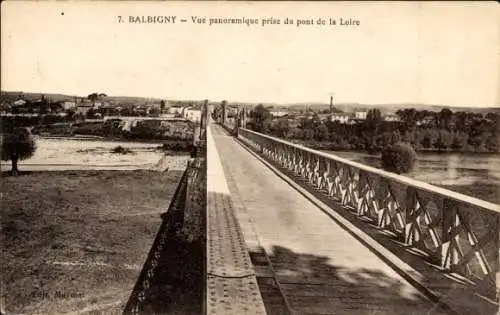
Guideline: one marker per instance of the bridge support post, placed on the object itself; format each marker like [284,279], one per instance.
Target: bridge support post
[223,115]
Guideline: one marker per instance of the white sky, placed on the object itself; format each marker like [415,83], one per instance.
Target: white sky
[434,53]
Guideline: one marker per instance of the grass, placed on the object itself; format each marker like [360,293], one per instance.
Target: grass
[76,240]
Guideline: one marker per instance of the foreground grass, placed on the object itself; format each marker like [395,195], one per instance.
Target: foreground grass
[75,241]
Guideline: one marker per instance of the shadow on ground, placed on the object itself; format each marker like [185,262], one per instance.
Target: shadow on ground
[177,287]
[172,278]
[19,173]
[176,283]
[313,286]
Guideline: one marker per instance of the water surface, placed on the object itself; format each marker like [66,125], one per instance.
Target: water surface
[476,175]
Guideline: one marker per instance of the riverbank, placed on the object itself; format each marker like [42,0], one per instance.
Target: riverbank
[332,146]
[76,240]
[110,138]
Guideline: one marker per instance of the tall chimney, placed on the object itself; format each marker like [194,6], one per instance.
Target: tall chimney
[331,104]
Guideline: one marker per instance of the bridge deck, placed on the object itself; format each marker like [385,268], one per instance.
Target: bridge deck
[304,261]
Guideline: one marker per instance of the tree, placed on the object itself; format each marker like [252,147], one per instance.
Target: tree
[492,143]
[308,134]
[445,116]
[280,127]
[373,119]
[475,141]
[259,115]
[443,140]
[70,113]
[44,105]
[459,141]
[93,97]
[408,116]
[17,145]
[91,114]
[295,133]
[427,141]
[387,139]
[154,112]
[460,120]
[493,118]
[321,132]
[162,105]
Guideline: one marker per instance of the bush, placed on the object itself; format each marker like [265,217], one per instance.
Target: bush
[85,128]
[399,158]
[177,146]
[121,150]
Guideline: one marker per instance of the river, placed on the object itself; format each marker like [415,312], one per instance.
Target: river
[470,174]
[61,154]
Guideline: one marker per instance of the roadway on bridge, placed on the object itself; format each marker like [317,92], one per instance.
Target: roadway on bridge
[316,265]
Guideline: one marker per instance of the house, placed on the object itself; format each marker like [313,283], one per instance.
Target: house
[342,118]
[278,114]
[84,103]
[141,110]
[231,112]
[56,107]
[166,116]
[109,110]
[360,114]
[83,107]
[176,110]
[426,120]
[192,114]
[68,105]
[391,117]
[19,103]
[98,104]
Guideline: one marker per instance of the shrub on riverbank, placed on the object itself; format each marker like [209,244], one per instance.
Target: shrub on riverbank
[399,158]
[177,146]
[121,150]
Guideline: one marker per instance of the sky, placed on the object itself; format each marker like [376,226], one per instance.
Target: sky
[432,52]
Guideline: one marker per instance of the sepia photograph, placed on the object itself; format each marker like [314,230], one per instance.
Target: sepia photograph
[250,157]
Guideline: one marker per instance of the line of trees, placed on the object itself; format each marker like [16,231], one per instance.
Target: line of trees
[438,131]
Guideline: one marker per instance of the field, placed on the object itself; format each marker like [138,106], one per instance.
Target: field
[78,222]
[75,241]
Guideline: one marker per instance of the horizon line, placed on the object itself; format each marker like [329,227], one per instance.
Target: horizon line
[260,102]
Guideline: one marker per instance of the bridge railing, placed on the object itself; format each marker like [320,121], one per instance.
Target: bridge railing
[144,288]
[458,232]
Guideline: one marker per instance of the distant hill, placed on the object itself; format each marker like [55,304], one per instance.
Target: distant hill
[14,95]
[384,108]
[10,96]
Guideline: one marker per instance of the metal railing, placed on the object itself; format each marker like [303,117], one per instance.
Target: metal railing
[457,232]
[171,221]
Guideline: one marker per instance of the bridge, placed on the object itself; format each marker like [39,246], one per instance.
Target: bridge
[291,230]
